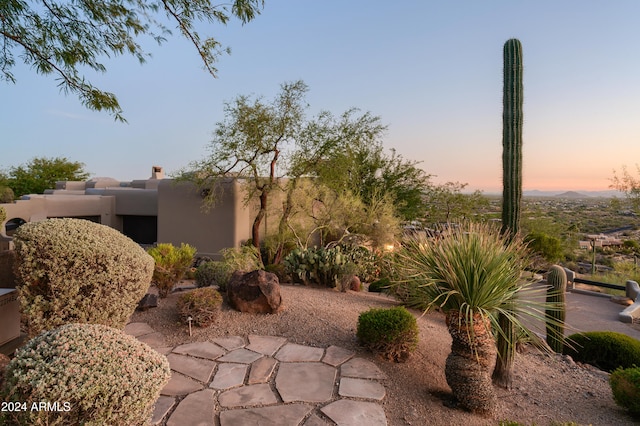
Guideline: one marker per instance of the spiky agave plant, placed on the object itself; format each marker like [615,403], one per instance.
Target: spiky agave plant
[473,275]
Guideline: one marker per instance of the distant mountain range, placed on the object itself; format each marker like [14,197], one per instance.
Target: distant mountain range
[568,194]
[574,194]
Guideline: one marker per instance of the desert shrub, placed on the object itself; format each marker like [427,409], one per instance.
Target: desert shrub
[201,304]
[106,376]
[625,386]
[392,333]
[365,261]
[171,265]
[280,270]
[245,258]
[72,270]
[3,215]
[380,286]
[606,350]
[214,273]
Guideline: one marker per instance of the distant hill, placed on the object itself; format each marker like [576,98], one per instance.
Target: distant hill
[572,194]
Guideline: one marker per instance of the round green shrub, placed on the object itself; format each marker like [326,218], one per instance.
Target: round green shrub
[201,304]
[98,375]
[214,273]
[72,270]
[392,333]
[606,350]
[625,386]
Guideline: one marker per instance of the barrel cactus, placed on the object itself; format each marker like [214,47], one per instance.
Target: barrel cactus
[556,307]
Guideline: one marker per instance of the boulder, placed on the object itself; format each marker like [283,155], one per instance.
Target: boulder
[148,301]
[256,292]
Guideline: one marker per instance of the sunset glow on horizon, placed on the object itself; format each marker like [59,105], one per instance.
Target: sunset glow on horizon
[431,70]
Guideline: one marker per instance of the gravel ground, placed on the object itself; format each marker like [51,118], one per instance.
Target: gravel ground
[546,389]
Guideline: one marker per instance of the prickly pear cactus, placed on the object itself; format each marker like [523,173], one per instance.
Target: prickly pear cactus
[556,312]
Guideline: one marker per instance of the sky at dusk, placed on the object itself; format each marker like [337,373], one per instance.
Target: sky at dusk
[432,70]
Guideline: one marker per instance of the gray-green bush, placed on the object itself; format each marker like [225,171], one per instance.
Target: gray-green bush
[99,376]
[72,270]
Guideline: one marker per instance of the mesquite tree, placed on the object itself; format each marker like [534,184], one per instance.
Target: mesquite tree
[512,119]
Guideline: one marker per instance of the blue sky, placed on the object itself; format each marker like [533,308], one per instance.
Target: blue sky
[432,70]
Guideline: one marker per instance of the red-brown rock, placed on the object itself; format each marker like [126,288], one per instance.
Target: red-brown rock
[256,292]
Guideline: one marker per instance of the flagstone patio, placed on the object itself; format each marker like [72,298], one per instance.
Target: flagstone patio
[265,380]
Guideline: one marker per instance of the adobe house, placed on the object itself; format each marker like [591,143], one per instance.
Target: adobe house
[148,211]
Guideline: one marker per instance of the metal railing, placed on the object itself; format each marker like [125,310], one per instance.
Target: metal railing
[599,284]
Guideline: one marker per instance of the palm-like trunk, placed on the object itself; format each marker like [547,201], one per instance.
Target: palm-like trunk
[468,367]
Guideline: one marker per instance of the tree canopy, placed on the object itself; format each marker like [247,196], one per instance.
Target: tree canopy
[627,183]
[64,37]
[273,146]
[41,173]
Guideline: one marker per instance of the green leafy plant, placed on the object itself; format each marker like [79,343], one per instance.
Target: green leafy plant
[72,270]
[104,375]
[625,386]
[201,304]
[171,265]
[392,333]
[606,350]
[472,274]
[380,286]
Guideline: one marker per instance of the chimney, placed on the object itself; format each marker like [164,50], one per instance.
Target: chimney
[157,172]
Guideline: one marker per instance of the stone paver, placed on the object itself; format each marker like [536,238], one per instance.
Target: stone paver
[136,329]
[305,381]
[266,345]
[361,369]
[201,349]
[261,370]
[346,412]
[229,375]
[282,415]
[180,385]
[199,369]
[248,396]
[242,356]
[292,352]
[287,384]
[162,407]
[336,355]
[155,340]
[196,409]
[315,420]
[361,388]
[230,343]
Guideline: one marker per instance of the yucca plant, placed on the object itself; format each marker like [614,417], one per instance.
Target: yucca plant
[473,275]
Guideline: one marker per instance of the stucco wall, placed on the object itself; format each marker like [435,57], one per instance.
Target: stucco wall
[181,218]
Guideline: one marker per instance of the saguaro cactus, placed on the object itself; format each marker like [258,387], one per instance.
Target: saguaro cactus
[555,313]
[511,188]
[512,119]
